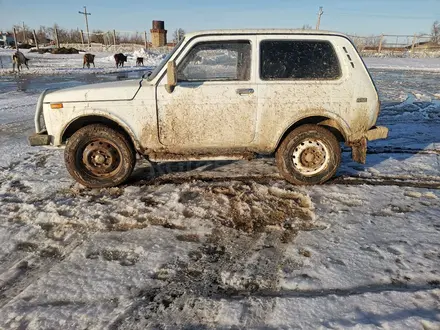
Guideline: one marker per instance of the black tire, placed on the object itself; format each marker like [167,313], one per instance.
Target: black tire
[99,157]
[309,155]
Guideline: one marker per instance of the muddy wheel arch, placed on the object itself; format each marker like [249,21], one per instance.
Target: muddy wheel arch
[341,131]
[79,122]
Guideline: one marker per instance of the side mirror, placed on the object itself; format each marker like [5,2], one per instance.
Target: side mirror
[171,76]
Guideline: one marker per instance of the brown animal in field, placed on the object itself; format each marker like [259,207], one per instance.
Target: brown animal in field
[19,59]
[88,59]
[139,61]
[120,59]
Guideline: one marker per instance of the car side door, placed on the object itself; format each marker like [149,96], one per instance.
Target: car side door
[214,104]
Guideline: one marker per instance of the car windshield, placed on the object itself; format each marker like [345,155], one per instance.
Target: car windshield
[164,61]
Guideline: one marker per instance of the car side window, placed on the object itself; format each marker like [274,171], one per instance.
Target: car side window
[298,59]
[217,61]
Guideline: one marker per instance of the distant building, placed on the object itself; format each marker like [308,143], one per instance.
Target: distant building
[6,39]
[158,34]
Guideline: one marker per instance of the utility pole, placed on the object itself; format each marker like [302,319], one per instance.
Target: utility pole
[35,39]
[15,39]
[114,40]
[57,39]
[319,18]
[24,34]
[145,39]
[85,13]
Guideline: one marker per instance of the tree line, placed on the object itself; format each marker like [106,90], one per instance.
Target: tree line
[46,34]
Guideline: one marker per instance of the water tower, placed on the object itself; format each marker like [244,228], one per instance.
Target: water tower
[158,34]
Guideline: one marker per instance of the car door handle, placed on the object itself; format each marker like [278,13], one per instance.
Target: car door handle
[244,91]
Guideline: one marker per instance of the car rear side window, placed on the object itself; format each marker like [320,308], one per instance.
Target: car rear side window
[298,59]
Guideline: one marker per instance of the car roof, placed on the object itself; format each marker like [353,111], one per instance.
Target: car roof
[262,31]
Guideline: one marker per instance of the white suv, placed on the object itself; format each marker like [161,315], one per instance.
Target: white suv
[222,95]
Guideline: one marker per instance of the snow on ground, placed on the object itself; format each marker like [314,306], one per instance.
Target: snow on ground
[59,64]
[50,64]
[409,64]
[228,244]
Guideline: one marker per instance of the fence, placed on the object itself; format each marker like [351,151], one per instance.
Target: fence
[413,45]
[117,42]
[120,48]
[96,40]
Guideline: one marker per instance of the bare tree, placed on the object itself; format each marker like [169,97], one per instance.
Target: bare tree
[435,32]
[178,34]
[27,35]
[97,36]
[74,36]
[306,27]
[42,35]
[136,38]
[372,41]
[63,34]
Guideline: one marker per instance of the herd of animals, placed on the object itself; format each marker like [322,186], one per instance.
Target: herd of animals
[18,59]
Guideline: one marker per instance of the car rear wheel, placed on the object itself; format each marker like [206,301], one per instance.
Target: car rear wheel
[98,156]
[309,155]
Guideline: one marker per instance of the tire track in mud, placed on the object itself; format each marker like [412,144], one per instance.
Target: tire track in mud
[430,182]
[179,178]
[24,271]
[396,150]
[388,180]
[227,264]
[382,180]
[355,291]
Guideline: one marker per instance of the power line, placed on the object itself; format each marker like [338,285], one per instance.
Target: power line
[85,13]
[319,18]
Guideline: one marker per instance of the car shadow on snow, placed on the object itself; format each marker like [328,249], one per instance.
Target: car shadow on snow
[153,171]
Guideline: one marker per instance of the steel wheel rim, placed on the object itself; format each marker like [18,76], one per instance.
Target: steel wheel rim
[101,158]
[310,157]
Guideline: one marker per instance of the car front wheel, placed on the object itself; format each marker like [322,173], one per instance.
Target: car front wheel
[98,156]
[310,154]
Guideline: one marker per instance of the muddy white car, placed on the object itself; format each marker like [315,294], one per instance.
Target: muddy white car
[222,95]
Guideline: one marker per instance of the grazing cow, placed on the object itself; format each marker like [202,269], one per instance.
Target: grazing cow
[19,59]
[139,61]
[120,59]
[88,59]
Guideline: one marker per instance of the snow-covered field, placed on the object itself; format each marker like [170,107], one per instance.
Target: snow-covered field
[408,64]
[225,245]
[58,64]
[50,64]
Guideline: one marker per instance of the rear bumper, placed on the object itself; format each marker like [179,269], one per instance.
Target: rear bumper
[359,147]
[376,133]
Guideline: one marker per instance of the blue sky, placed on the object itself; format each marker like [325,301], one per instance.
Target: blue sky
[362,17]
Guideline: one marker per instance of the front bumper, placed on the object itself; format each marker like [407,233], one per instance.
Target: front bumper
[359,147]
[40,137]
